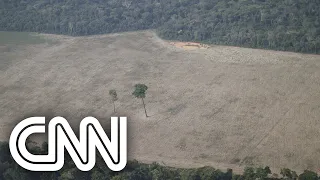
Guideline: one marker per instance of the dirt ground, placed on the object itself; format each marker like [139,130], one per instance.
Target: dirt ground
[189,45]
[228,107]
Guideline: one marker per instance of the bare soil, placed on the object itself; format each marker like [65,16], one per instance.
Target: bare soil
[228,107]
[189,45]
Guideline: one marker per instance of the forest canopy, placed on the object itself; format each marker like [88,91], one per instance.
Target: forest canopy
[9,170]
[289,25]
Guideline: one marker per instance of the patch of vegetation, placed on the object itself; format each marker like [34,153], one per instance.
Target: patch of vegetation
[20,38]
[291,25]
[134,170]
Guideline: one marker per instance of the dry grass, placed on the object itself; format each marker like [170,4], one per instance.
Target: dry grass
[223,106]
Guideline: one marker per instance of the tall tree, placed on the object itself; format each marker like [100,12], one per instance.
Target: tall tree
[114,97]
[140,92]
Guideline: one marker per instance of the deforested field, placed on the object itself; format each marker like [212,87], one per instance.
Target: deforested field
[227,107]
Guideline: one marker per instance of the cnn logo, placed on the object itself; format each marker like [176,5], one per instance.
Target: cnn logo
[61,137]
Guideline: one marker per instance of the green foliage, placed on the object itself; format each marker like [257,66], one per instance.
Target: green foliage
[308,175]
[141,173]
[5,155]
[159,172]
[206,173]
[279,25]
[100,172]
[134,170]
[267,170]
[288,174]
[291,25]
[249,173]
[256,173]
[261,173]
[20,38]
[74,173]
[140,90]
[48,176]
[120,177]
[16,173]
[188,174]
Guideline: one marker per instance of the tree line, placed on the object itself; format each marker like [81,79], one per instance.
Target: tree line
[289,25]
[10,170]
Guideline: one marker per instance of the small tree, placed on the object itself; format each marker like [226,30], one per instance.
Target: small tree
[249,173]
[140,92]
[261,173]
[114,97]
[288,174]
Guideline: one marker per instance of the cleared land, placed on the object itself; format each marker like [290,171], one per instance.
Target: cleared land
[221,106]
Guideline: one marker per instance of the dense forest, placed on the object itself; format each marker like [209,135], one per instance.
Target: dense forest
[134,170]
[290,25]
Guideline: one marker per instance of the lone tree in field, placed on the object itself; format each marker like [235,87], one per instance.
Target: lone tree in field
[114,97]
[140,92]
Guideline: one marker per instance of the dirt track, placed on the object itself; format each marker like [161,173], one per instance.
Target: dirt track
[222,106]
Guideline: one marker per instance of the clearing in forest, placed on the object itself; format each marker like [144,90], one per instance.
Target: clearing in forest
[222,106]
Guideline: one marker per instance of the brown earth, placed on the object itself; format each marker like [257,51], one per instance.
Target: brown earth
[189,45]
[228,107]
